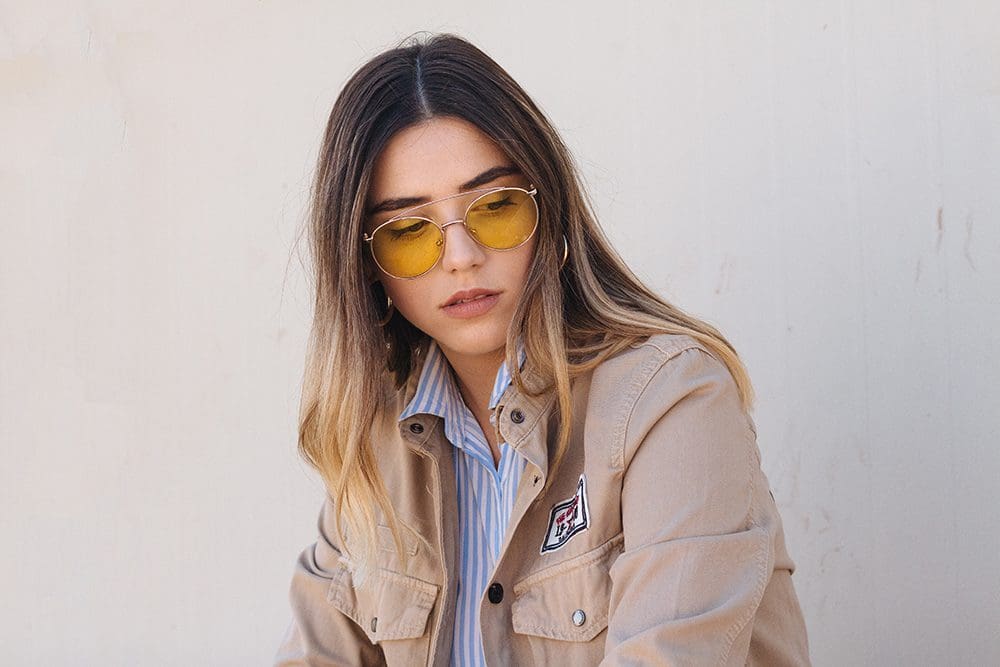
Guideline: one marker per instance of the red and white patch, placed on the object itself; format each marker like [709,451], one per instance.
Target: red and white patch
[567,519]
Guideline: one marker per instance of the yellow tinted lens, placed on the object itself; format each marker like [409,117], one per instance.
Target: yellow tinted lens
[407,247]
[503,219]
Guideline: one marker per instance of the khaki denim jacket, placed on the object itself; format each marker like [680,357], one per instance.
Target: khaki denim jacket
[657,543]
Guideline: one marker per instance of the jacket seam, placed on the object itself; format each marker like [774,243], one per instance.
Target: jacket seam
[426,593]
[585,558]
[445,595]
[749,520]
[596,623]
[641,382]
[529,426]
[761,562]
[596,626]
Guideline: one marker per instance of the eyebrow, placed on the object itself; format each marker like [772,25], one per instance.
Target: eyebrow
[397,203]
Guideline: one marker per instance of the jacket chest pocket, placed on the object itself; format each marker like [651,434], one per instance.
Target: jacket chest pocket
[392,610]
[567,602]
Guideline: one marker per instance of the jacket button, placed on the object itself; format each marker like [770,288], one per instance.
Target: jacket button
[417,428]
[516,416]
[579,618]
[495,593]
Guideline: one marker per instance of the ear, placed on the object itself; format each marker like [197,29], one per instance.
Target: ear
[368,270]
[372,276]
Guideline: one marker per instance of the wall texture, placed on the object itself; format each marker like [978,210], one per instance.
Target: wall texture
[820,180]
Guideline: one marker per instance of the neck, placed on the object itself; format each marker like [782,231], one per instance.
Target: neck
[475,377]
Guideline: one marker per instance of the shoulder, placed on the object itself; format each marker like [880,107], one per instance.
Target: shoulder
[664,374]
[637,364]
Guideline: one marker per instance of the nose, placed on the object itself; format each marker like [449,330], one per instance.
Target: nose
[460,250]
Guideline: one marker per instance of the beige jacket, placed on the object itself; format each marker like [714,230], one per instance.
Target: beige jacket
[658,543]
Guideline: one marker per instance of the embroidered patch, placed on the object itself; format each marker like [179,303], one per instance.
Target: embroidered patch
[567,519]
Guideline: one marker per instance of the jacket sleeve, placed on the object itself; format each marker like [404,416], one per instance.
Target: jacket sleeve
[319,634]
[700,527]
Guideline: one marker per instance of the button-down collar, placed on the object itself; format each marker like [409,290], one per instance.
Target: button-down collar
[429,393]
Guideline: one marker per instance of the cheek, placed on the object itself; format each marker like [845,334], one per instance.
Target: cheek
[397,295]
[406,298]
[525,256]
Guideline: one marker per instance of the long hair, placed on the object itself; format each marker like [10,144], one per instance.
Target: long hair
[571,318]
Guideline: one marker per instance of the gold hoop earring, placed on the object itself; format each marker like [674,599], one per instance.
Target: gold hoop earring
[389,311]
[565,251]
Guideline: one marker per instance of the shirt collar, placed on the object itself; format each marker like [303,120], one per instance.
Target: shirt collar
[436,392]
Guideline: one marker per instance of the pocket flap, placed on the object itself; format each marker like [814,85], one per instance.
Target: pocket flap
[389,605]
[568,601]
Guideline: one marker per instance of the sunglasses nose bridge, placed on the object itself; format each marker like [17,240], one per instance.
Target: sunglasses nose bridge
[458,221]
[461,251]
[444,235]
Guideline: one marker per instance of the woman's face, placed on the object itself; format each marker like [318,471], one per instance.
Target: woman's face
[437,158]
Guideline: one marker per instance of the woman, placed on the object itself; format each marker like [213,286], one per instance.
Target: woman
[530,457]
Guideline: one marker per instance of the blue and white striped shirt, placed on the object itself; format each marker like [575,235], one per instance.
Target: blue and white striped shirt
[485,493]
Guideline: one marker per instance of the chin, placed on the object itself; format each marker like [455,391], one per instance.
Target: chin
[476,346]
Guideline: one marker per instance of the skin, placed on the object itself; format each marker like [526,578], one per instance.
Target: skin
[429,161]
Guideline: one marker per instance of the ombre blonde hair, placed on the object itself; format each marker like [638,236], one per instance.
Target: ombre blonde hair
[571,319]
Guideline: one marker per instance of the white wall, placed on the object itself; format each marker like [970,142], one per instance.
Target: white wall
[820,180]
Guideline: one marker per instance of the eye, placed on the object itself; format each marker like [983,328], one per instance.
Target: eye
[495,204]
[406,228]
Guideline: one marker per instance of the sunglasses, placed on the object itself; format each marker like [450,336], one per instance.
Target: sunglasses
[408,246]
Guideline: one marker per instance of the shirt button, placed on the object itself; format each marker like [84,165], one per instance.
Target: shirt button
[495,593]
[516,416]
[579,617]
[417,428]
[374,623]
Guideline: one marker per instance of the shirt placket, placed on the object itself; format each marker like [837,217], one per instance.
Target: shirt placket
[490,506]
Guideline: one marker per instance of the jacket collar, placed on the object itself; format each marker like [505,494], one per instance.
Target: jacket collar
[415,430]
[437,393]
[523,418]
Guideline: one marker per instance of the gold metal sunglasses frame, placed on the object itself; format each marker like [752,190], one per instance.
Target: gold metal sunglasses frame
[531,191]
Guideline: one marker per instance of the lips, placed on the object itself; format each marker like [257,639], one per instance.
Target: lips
[467,295]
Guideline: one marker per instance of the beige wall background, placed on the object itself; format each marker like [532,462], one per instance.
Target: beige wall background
[820,180]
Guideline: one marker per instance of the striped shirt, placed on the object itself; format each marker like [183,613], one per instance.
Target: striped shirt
[485,493]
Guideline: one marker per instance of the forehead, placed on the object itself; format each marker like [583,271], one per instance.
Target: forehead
[432,159]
